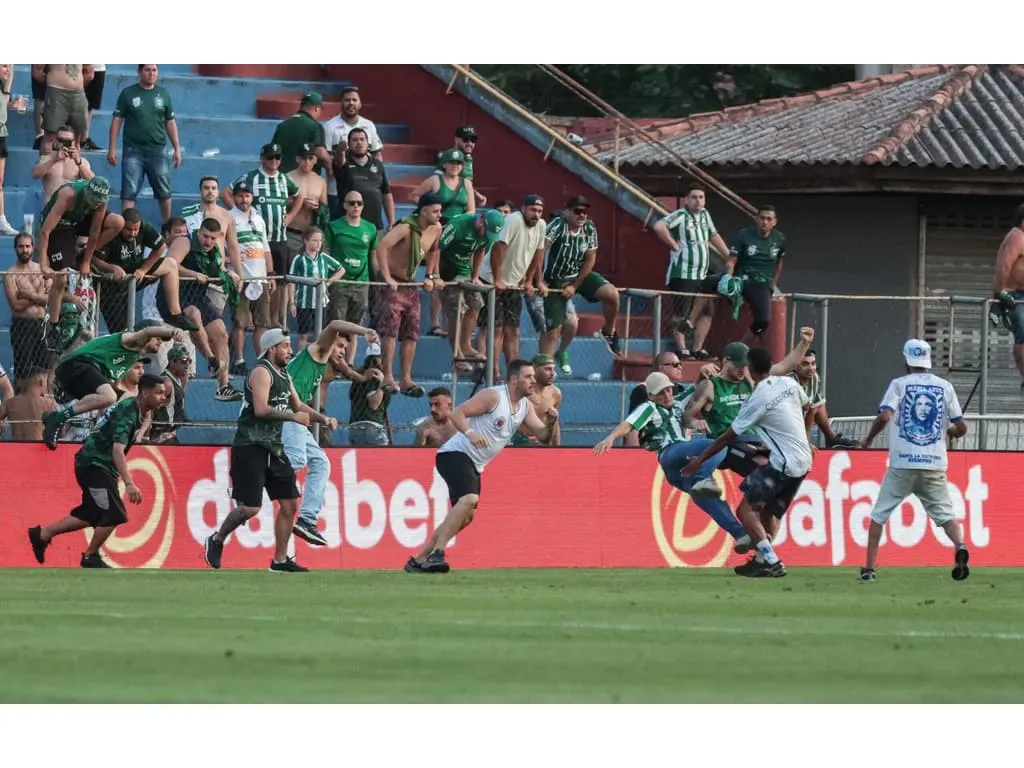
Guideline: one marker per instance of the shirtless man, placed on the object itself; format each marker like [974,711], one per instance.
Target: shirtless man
[313,186]
[28,296]
[207,208]
[63,164]
[25,410]
[66,103]
[398,305]
[436,429]
[546,398]
[1008,286]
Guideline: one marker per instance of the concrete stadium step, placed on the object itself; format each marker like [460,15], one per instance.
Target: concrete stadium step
[232,135]
[192,93]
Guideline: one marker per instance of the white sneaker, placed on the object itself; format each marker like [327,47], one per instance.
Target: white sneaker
[6,229]
[706,487]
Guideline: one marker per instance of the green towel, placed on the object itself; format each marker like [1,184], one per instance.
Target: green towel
[211,264]
[732,288]
[415,233]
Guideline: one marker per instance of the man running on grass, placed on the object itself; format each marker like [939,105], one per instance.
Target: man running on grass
[99,464]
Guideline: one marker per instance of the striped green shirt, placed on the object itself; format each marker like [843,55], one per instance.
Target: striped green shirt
[320,268]
[658,427]
[270,198]
[812,388]
[567,249]
[693,232]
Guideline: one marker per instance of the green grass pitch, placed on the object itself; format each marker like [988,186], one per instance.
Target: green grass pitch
[818,635]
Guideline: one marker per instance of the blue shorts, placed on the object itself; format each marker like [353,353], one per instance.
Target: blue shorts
[1017,318]
[151,163]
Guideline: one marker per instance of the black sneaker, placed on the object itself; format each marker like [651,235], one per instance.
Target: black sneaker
[435,562]
[961,571]
[93,561]
[52,422]
[212,550]
[744,569]
[182,322]
[612,340]
[701,354]
[307,531]
[867,574]
[39,546]
[227,394]
[411,566]
[763,570]
[39,140]
[238,368]
[91,146]
[841,441]
[288,566]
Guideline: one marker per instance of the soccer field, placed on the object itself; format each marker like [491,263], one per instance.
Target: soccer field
[817,635]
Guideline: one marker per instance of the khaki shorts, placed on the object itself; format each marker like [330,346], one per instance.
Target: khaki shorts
[63,107]
[929,485]
[454,295]
[347,302]
[251,314]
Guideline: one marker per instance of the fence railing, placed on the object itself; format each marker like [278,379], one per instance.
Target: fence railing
[993,432]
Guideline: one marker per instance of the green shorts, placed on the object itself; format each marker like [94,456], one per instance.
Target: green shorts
[555,304]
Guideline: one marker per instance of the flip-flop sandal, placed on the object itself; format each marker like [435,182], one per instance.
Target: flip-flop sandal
[439,332]
[414,391]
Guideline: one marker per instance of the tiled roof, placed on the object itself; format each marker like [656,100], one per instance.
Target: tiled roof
[958,116]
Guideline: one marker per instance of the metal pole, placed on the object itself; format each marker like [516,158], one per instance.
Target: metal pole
[318,328]
[454,333]
[656,331]
[629,309]
[823,346]
[130,316]
[983,377]
[491,352]
[792,322]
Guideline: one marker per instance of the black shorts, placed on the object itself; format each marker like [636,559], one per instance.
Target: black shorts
[28,345]
[94,90]
[79,377]
[305,319]
[280,253]
[680,305]
[102,504]
[62,247]
[771,490]
[38,89]
[759,297]
[459,473]
[191,294]
[3,148]
[253,469]
[741,454]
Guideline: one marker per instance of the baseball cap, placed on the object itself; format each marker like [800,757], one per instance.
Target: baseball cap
[494,222]
[427,200]
[541,359]
[98,189]
[466,132]
[736,353]
[314,98]
[271,338]
[178,352]
[271,150]
[452,156]
[657,382]
[241,186]
[144,360]
[577,201]
[918,353]
[305,149]
[150,380]
[533,200]
[373,350]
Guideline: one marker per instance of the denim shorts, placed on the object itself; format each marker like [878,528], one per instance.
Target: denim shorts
[154,164]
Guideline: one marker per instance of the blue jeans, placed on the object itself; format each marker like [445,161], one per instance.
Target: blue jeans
[302,450]
[154,164]
[678,455]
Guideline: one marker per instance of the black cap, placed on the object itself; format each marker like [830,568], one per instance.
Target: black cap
[577,201]
[271,150]
[533,200]
[466,132]
[150,380]
[306,150]
[145,360]
[426,200]
[241,186]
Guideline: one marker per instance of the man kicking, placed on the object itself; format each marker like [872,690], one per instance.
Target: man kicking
[87,374]
[926,409]
[307,370]
[485,424]
[778,412]
[99,464]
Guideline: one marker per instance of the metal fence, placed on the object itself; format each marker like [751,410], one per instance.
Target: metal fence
[994,432]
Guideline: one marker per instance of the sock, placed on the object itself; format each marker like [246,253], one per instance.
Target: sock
[764,548]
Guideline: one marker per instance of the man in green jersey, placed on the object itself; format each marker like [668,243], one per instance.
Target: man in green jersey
[307,370]
[571,240]
[756,255]
[258,459]
[99,464]
[87,374]
[465,240]
[352,241]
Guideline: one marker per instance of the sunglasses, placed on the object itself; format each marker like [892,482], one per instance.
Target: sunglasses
[470,140]
[356,203]
[674,365]
[273,157]
[581,211]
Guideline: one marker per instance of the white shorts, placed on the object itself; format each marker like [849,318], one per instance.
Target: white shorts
[929,485]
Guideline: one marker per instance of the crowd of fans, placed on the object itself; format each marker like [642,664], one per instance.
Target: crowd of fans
[318,206]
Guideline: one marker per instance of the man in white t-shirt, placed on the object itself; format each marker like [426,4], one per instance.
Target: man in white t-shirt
[778,411]
[336,135]
[920,409]
[514,267]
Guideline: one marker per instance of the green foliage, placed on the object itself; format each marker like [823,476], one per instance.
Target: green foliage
[661,90]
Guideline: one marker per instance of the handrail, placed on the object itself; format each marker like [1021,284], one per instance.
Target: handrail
[557,138]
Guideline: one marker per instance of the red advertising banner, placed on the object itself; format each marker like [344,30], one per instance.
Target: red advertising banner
[539,508]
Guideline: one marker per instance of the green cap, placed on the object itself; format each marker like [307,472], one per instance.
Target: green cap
[177,352]
[541,360]
[736,353]
[98,189]
[494,222]
[314,98]
[452,156]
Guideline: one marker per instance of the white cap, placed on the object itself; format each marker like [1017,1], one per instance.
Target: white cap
[657,382]
[918,353]
[373,350]
[272,338]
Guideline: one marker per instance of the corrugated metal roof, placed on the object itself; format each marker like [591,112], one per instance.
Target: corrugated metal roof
[971,116]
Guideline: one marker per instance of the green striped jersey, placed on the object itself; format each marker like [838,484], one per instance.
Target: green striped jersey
[812,388]
[320,267]
[658,427]
[270,198]
[692,231]
[567,249]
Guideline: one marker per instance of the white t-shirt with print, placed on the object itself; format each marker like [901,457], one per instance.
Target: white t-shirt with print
[922,406]
[775,412]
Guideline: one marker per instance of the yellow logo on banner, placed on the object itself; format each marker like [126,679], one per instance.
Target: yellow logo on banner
[672,538]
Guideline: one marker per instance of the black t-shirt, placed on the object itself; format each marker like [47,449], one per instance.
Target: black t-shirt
[130,254]
[369,180]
